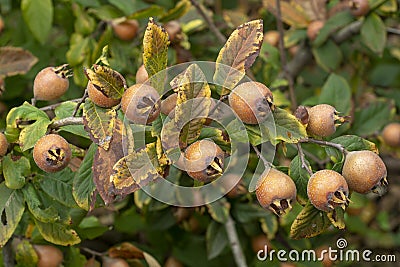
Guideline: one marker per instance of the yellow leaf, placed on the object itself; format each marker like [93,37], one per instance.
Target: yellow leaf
[291,15]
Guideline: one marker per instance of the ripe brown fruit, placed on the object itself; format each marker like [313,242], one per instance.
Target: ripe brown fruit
[3,145]
[49,84]
[321,120]
[126,30]
[365,171]
[1,24]
[168,105]
[323,252]
[259,242]
[99,98]
[272,38]
[327,190]
[391,134]
[276,191]
[359,7]
[52,153]
[313,29]
[141,75]
[114,262]
[172,262]
[141,103]
[49,256]
[251,101]
[204,160]
[173,28]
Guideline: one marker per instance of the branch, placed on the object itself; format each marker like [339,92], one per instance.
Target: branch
[260,156]
[93,252]
[347,32]
[52,107]
[302,159]
[85,95]
[325,143]
[209,21]
[282,53]
[8,258]
[234,242]
[66,121]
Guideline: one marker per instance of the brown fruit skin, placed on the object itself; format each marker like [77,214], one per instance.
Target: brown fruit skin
[48,85]
[275,185]
[172,262]
[49,256]
[321,120]
[322,185]
[126,30]
[3,145]
[1,25]
[359,8]
[141,75]
[272,38]
[313,29]
[99,98]
[134,97]
[58,146]
[173,28]
[246,100]
[198,156]
[391,134]
[259,242]
[363,170]
[114,262]
[326,261]
[169,104]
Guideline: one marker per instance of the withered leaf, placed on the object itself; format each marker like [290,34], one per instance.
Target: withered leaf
[292,14]
[15,60]
[126,251]
[110,82]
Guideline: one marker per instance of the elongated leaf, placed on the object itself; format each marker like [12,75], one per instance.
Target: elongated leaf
[290,15]
[300,177]
[155,48]
[110,82]
[15,171]
[152,10]
[328,56]
[12,208]
[288,128]
[99,123]
[103,163]
[373,33]
[65,110]
[15,60]
[38,15]
[219,137]
[193,103]
[333,24]
[90,228]
[83,185]
[135,170]
[179,10]
[238,55]
[336,92]
[336,217]
[219,210]
[216,239]
[309,223]
[58,233]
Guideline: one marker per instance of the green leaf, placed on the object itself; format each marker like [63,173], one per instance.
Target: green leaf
[127,7]
[150,11]
[108,81]
[155,57]
[333,24]
[26,255]
[58,233]
[309,223]
[12,208]
[238,55]
[336,217]
[15,60]
[31,120]
[99,123]
[219,210]
[300,177]
[59,187]
[216,239]
[65,110]
[328,56]
[288,128]
[336,92]
[90,228]
[179,10]
[294,36]
[193,103]
[83,185]
[373,33]
[74,258]
[14,171]
[79,50]
[36,207]
[220,137]
[371,119]
[38,16]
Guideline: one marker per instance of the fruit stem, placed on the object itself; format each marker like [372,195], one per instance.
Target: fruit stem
[302,159]
[325,143]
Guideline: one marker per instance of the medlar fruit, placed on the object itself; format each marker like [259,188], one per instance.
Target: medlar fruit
[141,75]
[359,8]
[99,98]
[313,29]
[391,134]
[49,256]
[126,30]
[3,145]
[272,38]
[50,83]
[322,120]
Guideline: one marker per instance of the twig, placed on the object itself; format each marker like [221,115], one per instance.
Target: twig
[53,106]
[66,121]
[347,32]
[93,252]
[33,101]
[282,53]
[260,156]
[325,143]
[85,95]
[209,21]
[234,242]
[393,30]
[8,258]
[302,159]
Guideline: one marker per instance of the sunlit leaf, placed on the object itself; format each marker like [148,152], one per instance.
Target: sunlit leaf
[152,10]
[110,82]
[26,255]
[65,110]
[58,233]
[15,171]
[180,9]
[38,15]
[15,60]
[290,14]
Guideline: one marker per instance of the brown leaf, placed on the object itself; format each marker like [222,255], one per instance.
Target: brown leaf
[290,14]
[15,60]
[126,251]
